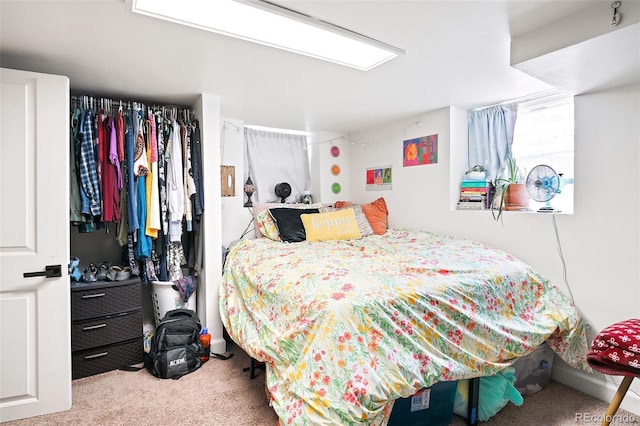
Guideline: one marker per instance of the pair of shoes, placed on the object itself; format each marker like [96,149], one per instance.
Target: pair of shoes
[112,274]
[74,272]
[103,268]
[90,273]
[117,273]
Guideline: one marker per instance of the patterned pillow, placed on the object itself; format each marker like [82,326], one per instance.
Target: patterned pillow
[266,226]
[363,224]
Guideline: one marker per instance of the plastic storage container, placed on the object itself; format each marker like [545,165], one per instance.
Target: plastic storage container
[533,371]
[165,299]
[431,406]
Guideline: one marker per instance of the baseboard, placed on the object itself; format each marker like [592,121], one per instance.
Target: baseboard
[218,346]
[596,385]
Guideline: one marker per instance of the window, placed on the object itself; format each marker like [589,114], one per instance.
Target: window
[274,156]
[544,135]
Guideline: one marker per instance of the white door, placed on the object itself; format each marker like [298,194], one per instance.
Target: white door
[35,343]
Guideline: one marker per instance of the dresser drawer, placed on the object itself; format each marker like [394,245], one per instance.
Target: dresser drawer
[104,298]
[106,330]
[107,358]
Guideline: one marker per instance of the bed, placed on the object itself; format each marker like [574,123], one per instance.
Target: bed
[345,327]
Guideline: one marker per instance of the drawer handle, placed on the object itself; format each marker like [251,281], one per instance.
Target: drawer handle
[96,355]
[91,296]
[93,327]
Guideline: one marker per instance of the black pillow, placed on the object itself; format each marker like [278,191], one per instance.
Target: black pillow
[289,223]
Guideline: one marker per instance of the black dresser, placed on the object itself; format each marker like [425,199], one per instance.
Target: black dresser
[106,326]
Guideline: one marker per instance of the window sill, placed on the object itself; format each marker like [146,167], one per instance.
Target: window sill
[518,211]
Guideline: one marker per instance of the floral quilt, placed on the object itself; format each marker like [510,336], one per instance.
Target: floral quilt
[346,327]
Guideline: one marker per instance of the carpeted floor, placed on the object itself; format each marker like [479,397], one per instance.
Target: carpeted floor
[220,393]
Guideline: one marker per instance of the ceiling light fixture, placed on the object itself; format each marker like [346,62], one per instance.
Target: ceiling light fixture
[273,25]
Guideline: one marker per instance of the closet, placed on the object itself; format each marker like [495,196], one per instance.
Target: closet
[136,187]
[179,251]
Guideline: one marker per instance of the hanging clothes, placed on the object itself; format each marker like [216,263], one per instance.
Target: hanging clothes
[129,256]
[187,179]
[143,243]
[160,243]
[141,169]
[120,135]
[110,191]
[114,158]
[122,228]
[164,132]
[175,188]
[132,203]
[196,167]
[75,201]
[153,199]
[140,161]
[88,167]
[175,260]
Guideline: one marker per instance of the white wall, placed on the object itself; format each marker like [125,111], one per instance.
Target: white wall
[235,217]
[207,109]
[321,161]
[599,242]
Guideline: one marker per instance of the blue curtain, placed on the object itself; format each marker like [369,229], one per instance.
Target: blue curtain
[490,137]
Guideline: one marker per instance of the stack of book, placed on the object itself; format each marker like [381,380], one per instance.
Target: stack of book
[475,195]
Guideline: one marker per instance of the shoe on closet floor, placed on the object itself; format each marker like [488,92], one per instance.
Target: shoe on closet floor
[74,272]
[103,269]
[90,273]
[112,273]
[116,273]
[124,274]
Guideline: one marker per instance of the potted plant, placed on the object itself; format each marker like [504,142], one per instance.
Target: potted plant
[477,172]
[510,191]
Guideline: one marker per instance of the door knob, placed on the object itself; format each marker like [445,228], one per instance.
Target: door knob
[50,271]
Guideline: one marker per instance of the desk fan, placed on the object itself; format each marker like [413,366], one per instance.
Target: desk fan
[543,183]
[283,190]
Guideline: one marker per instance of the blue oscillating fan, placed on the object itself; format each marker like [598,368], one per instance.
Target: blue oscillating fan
[543,183]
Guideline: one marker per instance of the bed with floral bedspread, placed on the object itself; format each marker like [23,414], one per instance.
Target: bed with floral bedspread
[346,327]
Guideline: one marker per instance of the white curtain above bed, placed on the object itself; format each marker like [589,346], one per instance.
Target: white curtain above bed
[274,157]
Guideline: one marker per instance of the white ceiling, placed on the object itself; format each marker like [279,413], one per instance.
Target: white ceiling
[457,54]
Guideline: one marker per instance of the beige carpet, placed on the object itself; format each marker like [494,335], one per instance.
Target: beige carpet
[220,393]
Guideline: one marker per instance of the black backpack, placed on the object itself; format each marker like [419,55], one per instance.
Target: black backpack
[175,348]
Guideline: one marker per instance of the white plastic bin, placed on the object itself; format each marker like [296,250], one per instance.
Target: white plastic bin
[165,299]
[533,371]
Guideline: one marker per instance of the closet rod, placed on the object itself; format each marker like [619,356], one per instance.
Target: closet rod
[153,104]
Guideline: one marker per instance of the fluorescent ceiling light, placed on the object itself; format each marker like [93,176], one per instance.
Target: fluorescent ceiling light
[266,23]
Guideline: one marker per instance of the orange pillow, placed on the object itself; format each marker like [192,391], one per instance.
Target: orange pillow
[341,204]
[377,213]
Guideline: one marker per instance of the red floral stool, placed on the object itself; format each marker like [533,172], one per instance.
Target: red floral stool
[616,351]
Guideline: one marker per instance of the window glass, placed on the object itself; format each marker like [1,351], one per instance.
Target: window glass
[544,135]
